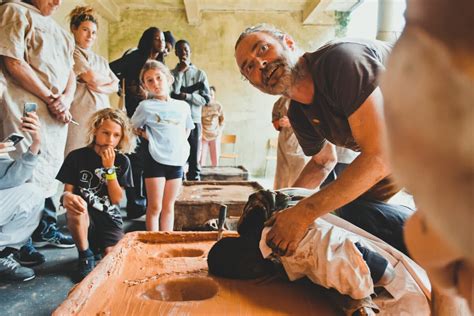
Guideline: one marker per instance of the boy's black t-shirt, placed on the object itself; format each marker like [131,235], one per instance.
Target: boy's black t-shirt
[83,169]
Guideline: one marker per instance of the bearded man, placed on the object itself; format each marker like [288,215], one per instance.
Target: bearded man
[335,101]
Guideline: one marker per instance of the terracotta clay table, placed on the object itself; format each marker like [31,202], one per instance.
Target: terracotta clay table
[199,201]
[224,173]
[166,274]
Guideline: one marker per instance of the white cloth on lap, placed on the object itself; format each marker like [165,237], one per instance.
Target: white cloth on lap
[20,214]
[328,257]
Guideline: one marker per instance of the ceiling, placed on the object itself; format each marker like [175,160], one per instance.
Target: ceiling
[313,11]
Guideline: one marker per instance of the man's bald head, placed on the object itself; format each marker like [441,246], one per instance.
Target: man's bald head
[264,28]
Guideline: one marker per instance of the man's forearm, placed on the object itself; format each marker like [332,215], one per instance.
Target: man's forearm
[27,78]
[363,173]
[105,89]
[94,78]
[312,175]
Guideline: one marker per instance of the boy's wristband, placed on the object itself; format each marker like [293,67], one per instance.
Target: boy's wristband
[110,173]
[112,176]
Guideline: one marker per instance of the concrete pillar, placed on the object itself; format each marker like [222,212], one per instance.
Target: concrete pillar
[390,19]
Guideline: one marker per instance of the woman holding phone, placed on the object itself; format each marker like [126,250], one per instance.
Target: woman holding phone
[95,80]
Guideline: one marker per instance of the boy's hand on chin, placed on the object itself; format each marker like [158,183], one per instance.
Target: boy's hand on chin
[107,153]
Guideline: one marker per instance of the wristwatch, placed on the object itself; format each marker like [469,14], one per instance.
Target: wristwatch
[110,173]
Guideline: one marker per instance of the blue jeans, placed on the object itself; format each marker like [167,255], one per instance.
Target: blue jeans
[194,140]
[378,218]
[48,223]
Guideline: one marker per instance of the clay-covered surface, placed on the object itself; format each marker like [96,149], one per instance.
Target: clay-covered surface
[216,191]
[224,173]
[166,274]
[199,201]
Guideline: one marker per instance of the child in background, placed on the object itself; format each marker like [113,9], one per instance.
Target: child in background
[166,123]
[212,125]
[94,177]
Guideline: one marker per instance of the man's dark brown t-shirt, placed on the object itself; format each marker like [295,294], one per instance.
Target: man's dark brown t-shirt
[344,74]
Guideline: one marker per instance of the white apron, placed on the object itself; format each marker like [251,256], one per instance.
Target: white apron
[86,102]
[48,49]
[290,157]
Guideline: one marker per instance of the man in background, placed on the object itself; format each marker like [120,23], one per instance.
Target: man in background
[191,85]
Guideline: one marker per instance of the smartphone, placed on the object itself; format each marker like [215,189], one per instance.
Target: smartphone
[14,138]
[29,107]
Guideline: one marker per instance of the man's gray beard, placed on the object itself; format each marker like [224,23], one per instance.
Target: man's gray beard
[292,72]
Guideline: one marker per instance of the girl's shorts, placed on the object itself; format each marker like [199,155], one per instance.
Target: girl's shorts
[155,169]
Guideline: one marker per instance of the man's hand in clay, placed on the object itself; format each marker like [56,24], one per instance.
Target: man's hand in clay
[74,204]
[289,228]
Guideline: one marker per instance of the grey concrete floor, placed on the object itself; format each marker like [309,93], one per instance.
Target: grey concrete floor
[53,281]
[44,293]
[41,296]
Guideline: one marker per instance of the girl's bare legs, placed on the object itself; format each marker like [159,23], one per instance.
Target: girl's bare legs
[154,195]
[171,193]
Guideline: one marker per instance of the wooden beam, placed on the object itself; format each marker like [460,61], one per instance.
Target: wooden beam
[252,5]
[108,9]
[193,11]
[315,13]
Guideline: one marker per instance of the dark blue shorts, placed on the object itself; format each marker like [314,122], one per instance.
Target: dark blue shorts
[155,169]
[103,231]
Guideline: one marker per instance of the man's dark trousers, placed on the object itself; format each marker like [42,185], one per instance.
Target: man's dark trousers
[381,219]
[194,140]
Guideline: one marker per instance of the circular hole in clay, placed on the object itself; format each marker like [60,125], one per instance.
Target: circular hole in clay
[183,289]
[182,253]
